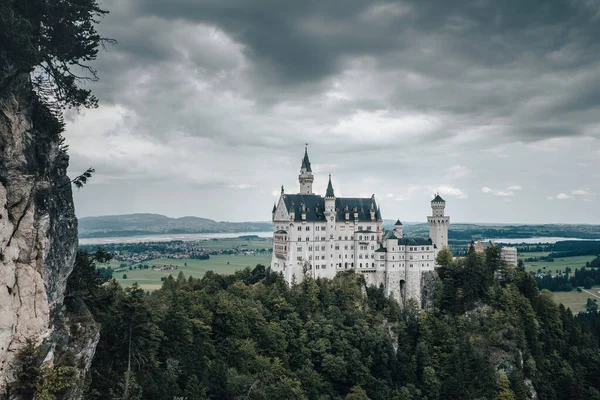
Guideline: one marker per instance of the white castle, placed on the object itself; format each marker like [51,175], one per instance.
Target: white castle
[321,236]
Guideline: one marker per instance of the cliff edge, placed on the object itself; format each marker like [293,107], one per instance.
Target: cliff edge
[38,229]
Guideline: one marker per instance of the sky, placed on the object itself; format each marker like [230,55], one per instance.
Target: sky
[206,106]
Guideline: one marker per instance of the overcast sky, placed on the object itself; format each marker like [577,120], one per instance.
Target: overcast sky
[206,106]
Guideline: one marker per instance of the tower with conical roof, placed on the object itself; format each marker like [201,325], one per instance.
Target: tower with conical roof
[398,229]
[329,200]
[438,223]
[306,177]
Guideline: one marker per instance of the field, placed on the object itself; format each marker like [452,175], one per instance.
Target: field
[224,264]
[557,264]
[576,300]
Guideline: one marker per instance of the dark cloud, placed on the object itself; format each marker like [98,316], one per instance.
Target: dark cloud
[218,95]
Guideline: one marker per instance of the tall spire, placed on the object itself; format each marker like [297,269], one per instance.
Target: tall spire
[305,160]
[329,192]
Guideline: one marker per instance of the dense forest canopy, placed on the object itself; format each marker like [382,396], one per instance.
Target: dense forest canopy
[490,334]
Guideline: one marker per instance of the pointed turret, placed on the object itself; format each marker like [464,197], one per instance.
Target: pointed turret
[306,161]
[329,192]
[306,177]
[274,208]
[398,229]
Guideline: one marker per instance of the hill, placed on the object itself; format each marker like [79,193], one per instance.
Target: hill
[145,224]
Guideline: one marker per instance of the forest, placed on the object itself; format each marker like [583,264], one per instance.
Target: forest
[489,333]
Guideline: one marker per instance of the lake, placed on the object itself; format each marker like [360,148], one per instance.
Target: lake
[187,237]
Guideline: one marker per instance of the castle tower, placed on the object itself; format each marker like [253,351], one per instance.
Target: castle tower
[329,199]
[330,220]
[398,229]
[438,223]
[306,177]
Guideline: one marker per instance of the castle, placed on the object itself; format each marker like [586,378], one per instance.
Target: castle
[321,236]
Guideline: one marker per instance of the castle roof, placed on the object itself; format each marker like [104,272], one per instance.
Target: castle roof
[415,241]
[274,208]
[381,249]
[306,161]
[315,207]
[398,223]
[438,199]
[329,192]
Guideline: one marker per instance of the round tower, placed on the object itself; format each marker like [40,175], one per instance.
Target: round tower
[306,177]
[438,223]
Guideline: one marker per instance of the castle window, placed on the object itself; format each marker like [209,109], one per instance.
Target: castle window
[307,238]
[361,265]
[368,228]
[309,248]
[372,265]
[345,237]
[351,247]
[345,255]
[340,256]
[372,255]
[337,246]
[346,247]
[322,248]
[308,228]
[360,237]
[372,237]
[299,228]
[299,249]
[422,248]
[360,228]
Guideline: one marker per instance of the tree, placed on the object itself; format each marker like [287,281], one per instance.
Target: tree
[54,41]
[124,276]
[588,282]
[591,305]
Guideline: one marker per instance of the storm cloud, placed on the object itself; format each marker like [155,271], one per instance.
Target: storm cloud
[206,106]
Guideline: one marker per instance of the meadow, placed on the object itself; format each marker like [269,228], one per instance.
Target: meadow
[576,300]
[223,264]
[557,264]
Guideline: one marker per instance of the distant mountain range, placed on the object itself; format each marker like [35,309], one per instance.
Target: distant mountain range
[148,224]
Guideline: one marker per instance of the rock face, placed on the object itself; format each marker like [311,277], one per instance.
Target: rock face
[428,285]
[38,228]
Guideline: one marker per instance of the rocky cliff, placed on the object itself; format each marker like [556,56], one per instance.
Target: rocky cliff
[38,228]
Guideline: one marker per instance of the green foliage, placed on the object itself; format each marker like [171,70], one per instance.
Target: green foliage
[34,380]
[54,40]
[251,336]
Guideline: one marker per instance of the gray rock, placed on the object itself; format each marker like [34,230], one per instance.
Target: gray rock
[38,228]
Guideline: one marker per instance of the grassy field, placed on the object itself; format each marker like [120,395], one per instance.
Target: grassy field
[224,264]
[558,263]
[576,300]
